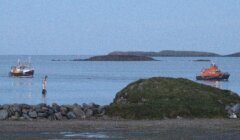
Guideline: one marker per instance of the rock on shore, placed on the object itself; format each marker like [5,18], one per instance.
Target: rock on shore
[54,112]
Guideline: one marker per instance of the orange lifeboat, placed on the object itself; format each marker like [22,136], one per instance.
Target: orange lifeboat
[213,73]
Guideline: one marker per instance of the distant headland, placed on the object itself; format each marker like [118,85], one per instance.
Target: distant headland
[233,55]
[147,56]
[173,53]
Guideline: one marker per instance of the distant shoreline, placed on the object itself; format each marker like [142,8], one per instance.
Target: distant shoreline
[148,56]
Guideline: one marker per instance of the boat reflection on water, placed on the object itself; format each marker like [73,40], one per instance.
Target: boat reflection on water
[23,89]
[22,82]
[216,84]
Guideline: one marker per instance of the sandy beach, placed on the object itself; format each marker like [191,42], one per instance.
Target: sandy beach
[199,129]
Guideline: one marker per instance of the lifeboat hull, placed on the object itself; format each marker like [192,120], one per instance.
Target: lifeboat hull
[29,73]
[225,77]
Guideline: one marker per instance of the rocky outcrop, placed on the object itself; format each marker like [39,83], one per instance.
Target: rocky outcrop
[53,112]
[160,97]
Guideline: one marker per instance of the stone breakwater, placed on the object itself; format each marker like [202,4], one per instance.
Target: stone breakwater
[53,112]
[70,112]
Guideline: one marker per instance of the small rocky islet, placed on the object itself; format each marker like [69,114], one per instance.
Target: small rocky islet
[153,98]
[117,58]
[112,58]
[202,60]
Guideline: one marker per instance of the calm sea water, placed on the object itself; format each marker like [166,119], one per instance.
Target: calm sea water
[84,82]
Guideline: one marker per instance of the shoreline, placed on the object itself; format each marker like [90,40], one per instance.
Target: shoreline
[142,121]
[122,129]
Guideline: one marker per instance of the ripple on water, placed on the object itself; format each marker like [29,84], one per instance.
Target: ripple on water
[97,135]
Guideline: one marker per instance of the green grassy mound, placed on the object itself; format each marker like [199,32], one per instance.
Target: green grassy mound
[158,97]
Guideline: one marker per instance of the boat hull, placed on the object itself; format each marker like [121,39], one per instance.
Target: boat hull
[223,77]
[29,73]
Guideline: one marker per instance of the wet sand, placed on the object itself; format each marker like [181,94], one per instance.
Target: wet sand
[199,129]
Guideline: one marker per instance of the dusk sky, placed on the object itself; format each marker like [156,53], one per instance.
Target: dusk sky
[101,26]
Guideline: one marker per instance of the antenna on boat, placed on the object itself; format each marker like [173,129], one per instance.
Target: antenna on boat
[18,61]
[29,61]
[212,63]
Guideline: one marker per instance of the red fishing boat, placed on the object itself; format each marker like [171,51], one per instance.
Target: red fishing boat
[213,73]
